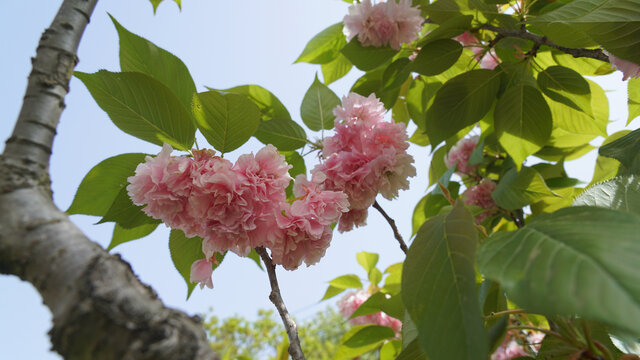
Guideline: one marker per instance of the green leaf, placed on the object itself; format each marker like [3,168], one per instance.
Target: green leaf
[375,276]
[294,159]
[584,66]
[461,102]
[362,339]
[124,213]
[449,29]
[390,350]
[519,189]
[412,352]
[620,193]
[317,106]
[442,11]
[141,106]
[227,121]
[346,282]
[102,184]
[367,58]
[578,123]
[367,260]
[253,255]
[325,46]
[633,99]
[429,206]
[331,292]
[378,302]
[138,54]
[396,74]
[269,105]
[392,282]
[614,24]
[184,251]
[580,260]
[606,167]
[522,121]
[336,69]
[551,153]
[284,134]
[625,149]
[566,86]
[122,235]
[436,57]
[438,287]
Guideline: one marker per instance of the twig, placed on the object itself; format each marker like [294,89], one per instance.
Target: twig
[276,298]
[505,312]
[539,40]
[392,223]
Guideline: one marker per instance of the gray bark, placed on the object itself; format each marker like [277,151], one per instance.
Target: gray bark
[100,309]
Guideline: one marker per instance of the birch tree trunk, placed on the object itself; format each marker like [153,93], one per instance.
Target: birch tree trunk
[100,309]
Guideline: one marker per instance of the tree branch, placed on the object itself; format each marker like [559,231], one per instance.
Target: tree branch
[100,309]
[295,350]
[542,40]
[392,223]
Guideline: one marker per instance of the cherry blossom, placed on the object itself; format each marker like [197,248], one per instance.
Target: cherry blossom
[630,70]
[460,154]
[385,23]
[350,302]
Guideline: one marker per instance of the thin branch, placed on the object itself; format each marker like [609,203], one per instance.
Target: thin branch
[295,350]
[494,315]
[539,40]
[392,223]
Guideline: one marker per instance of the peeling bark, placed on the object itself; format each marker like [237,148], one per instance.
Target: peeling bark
[100,308]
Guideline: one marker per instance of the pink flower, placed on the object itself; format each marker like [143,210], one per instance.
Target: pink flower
[486,59]
[466,39]
[508,351]
[460,154]
[480,195]
[629,69]
[350,303]
[201,271]
[384,23]
[324,206]
[353,218]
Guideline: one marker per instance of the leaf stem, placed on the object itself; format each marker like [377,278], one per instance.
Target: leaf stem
[276,298]
[505,312]
[392,223]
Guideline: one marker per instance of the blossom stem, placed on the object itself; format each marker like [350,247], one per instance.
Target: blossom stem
[505,312]
[539,40]
[392,223]
[276,298]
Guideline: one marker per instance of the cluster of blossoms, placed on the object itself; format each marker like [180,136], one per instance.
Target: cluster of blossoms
[366,156]
[386,23]
[477,195]
[238,206]
[630,70]
[512,349]
[350,303]
[486,59]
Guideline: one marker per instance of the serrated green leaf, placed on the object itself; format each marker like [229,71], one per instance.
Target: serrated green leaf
[102,184]
[336,69]
[584,66]
[551,153]
[412,352]
[620,193]
[577,261]
[379,302]
[124,213]
[438,287]
[366,58]
[367,260]
[443,10]
[613,24]
[436,57]
[577,123]
[625,149]
[390,350]
[227,121]
[522,121]
[141,106]
[396,74]
[138,54]
[606,167]
[361,339]
[460,102]
[122,235]
[331,292]
[325,46]
[284,134]
[519,189]
[184,251]
[269,105]
[349,281]
[317,106]
[449,29]
[566,86]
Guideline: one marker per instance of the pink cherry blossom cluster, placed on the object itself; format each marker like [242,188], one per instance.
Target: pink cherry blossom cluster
[630,70]
[480,195]
[350,303]
[366,156]
[238,206]
[460,154]
[486,59]
[511,348]
[390,22]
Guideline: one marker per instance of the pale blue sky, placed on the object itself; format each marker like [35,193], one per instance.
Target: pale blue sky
[224,44]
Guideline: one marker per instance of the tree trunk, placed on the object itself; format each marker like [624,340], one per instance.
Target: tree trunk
[100,309]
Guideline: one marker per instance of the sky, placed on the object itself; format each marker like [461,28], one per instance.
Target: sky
[224,44]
